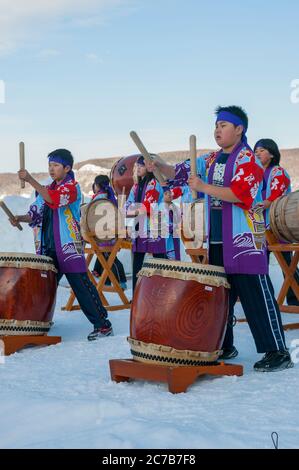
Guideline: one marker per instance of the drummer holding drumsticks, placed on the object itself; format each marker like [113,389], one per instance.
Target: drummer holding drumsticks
[232,183]
[55,216]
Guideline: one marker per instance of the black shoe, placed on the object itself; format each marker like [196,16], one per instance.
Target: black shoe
[229,353]
[100,333]
[274,361]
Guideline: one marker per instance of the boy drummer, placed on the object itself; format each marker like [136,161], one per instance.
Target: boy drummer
[231,180]
[55,217]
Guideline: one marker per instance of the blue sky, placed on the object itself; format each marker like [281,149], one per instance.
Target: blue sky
[82,74]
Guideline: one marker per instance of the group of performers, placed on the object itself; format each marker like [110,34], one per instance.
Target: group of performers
[238,184]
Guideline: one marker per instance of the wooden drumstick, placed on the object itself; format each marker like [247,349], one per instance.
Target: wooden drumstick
[201,208]
[146,155]
[122,198]
[22,160]
[10,214]
[193,167]
[122,230]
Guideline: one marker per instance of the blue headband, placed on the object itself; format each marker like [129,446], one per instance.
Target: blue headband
[236,120]
[260,143]
[166,188]
[140,160]
[58,159]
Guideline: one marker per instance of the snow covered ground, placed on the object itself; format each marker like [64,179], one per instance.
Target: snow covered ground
[62,396]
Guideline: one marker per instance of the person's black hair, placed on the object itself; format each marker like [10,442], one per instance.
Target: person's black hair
[236,110]
[272,147]
[148,176]
[102,181]
[65,154]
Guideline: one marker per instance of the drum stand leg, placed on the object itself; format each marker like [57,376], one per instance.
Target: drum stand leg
[178,378]
[12,344]
[107,273]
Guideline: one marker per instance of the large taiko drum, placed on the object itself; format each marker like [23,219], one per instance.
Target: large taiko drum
[99,220]
[179,313]
[284,217]
[121,175]
[27,294]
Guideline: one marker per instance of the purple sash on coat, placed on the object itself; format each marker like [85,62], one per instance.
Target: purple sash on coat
[239,258]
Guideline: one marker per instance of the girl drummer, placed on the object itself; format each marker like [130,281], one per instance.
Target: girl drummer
[144,193]
[276,183]
[103,190]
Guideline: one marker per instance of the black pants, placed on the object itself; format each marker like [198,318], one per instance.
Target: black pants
[117,269]
[138,259]
[86,294]
[256,295]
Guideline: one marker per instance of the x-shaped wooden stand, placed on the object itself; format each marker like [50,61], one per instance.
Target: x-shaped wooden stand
[289,273]
[107,272]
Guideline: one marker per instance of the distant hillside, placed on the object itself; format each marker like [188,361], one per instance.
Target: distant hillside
[289,160]
[88,169]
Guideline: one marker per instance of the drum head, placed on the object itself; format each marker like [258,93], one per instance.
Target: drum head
[99,220]
[121,175]
[26,260]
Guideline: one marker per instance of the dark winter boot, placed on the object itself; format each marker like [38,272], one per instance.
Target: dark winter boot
[98,333]
[274,361]
[229,353]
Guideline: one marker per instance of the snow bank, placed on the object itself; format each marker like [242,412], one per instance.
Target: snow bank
[94,169]
[11,239]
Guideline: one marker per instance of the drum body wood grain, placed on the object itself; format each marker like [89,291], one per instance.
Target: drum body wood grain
[179,313]
[27,294]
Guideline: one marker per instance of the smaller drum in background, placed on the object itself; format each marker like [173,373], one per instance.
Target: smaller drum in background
[27,294]
[179,313]
[284,217]
[99,220]
[121,175]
